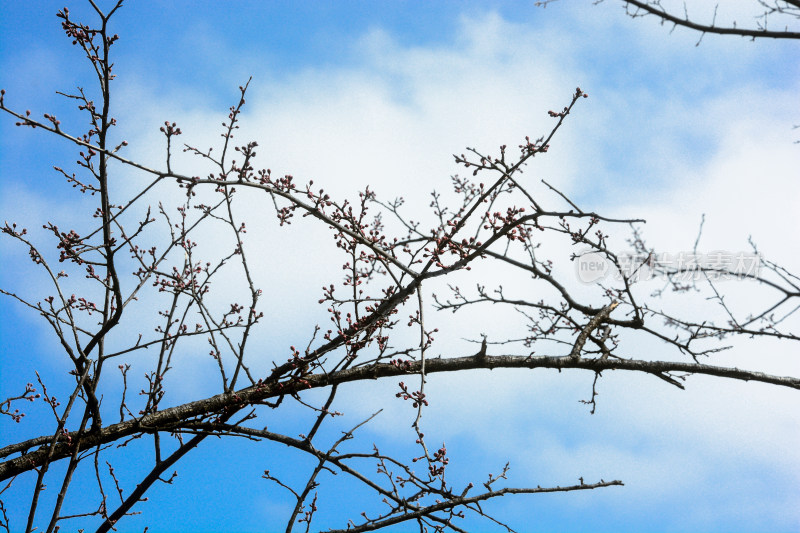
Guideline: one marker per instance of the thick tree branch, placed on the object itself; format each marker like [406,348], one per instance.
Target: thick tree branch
[654,8]
[164,420]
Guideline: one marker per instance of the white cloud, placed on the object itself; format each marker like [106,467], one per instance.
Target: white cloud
[391,120]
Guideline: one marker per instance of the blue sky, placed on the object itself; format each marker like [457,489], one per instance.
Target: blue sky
[359,93]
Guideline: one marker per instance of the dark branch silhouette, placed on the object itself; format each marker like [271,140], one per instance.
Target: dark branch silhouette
[120,256]
[787,10]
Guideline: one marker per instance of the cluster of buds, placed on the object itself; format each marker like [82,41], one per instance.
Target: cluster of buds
[417,396]
[402,364]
